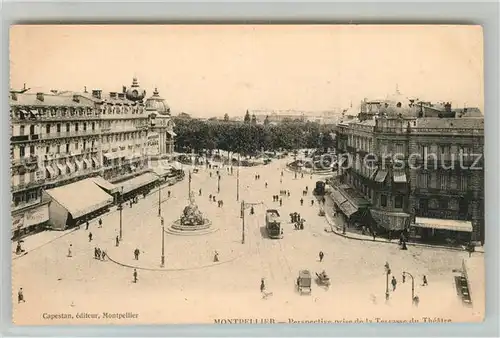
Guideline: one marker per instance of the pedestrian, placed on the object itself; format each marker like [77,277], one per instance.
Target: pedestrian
[210,197]
[216,256]
[99,253]
[136,254]
[404,278]
[135,276]
[100,222]
[214,198]
[168,193]
[265,184]
[321,255]
[70,254]
[282,173]
[374,234]
[302,175]
[210,174]
[312,203]
[199,192]
[424,281]
[288,193]
[103,255]
[87,225]
[90,236]
[394,283]
[281,202]
[301,201]
[95,253]
[20,296]
[262,285]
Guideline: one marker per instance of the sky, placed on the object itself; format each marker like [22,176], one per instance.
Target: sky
[211,70]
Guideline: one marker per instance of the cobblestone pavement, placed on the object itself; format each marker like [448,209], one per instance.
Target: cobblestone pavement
[54,283]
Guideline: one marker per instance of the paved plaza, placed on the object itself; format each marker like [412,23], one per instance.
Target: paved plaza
[192,288]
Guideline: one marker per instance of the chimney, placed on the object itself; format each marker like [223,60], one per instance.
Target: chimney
[76,98]
[124,89]
[24,86]
[96,93]
[121,96]
[13,96]
[85,89]
[447,107]
[112,95]
[39,96]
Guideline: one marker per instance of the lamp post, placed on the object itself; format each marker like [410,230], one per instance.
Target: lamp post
[162,242]
[159,201]
[218,183]
[412,285]
[189,183]
[120,208]
[387,273]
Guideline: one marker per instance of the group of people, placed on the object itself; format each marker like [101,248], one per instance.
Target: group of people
[99,253]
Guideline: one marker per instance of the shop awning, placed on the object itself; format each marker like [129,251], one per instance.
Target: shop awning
[337,196]
[172,133]
[348,208]
[443,224]
[390,220]
[115,155]
[61,167]
[176,165]
[399,176]
[101,182]
[51,171]
[80,198]
[381,175]
[71,166]
[161,171]
[36,216]
[87,162]
[136,182]
[33,113]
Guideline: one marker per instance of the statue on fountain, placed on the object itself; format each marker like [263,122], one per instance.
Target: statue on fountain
[191,215]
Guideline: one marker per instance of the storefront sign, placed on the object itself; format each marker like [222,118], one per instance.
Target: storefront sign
[153,144]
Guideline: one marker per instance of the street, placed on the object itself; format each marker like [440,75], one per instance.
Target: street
[191,288]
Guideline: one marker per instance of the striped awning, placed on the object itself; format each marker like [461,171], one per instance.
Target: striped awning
[399,176]
[381,175]
[337,196]
[348,208]
[61,167]
[87,162]
[51,171]
[79,164]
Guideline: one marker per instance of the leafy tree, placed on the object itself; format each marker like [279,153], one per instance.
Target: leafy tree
[247,117]
[266,120]
[226,117]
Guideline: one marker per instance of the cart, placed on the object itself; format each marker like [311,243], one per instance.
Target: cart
[323,279]
[304,281]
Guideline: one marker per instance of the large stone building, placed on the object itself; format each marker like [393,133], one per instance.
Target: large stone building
[411,172]
[60,138]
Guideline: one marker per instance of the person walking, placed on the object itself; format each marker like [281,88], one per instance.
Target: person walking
[301,202]
[216,256]
[262,285]
[117,241]
[90,237]
[95,253]
[99,253]
[404,278]
[87,225]
[135,276]
[424,281]
[136,254]
[312,203]
[321,255]
[70,253]
[265,184]
[168,193]
[103,255]
[199,192]
[394,283]
[100,222]
[20,296]
[281,202]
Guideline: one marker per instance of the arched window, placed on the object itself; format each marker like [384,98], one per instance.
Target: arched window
[32,129]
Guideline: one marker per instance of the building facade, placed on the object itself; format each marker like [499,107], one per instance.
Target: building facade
[61,138]
[401,171]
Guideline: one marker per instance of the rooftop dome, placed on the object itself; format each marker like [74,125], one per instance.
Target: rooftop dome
[135,92]
[157,104]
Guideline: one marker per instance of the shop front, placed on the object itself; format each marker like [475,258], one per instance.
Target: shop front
[450,231]
[350,205]
[30,221]
[393,223]
[138,185]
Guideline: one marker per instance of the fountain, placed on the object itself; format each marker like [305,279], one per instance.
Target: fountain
[191,220]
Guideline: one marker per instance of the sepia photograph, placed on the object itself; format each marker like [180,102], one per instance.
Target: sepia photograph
[247,174]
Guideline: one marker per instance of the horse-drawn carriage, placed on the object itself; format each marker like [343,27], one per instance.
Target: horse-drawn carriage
[304,281]
[323,278]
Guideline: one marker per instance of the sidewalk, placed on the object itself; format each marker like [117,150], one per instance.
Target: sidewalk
[39,240]
[337,230]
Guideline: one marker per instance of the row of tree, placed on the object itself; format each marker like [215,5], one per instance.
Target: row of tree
[250,138]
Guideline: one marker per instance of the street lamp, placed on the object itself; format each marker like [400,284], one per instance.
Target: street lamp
[120,208]
[238,180]
[413,298]
[387,273]
[159,200]
[162,242]
[218,183]
[242,222]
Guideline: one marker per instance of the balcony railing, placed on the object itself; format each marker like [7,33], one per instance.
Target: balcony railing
[73,133]
[25,160]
